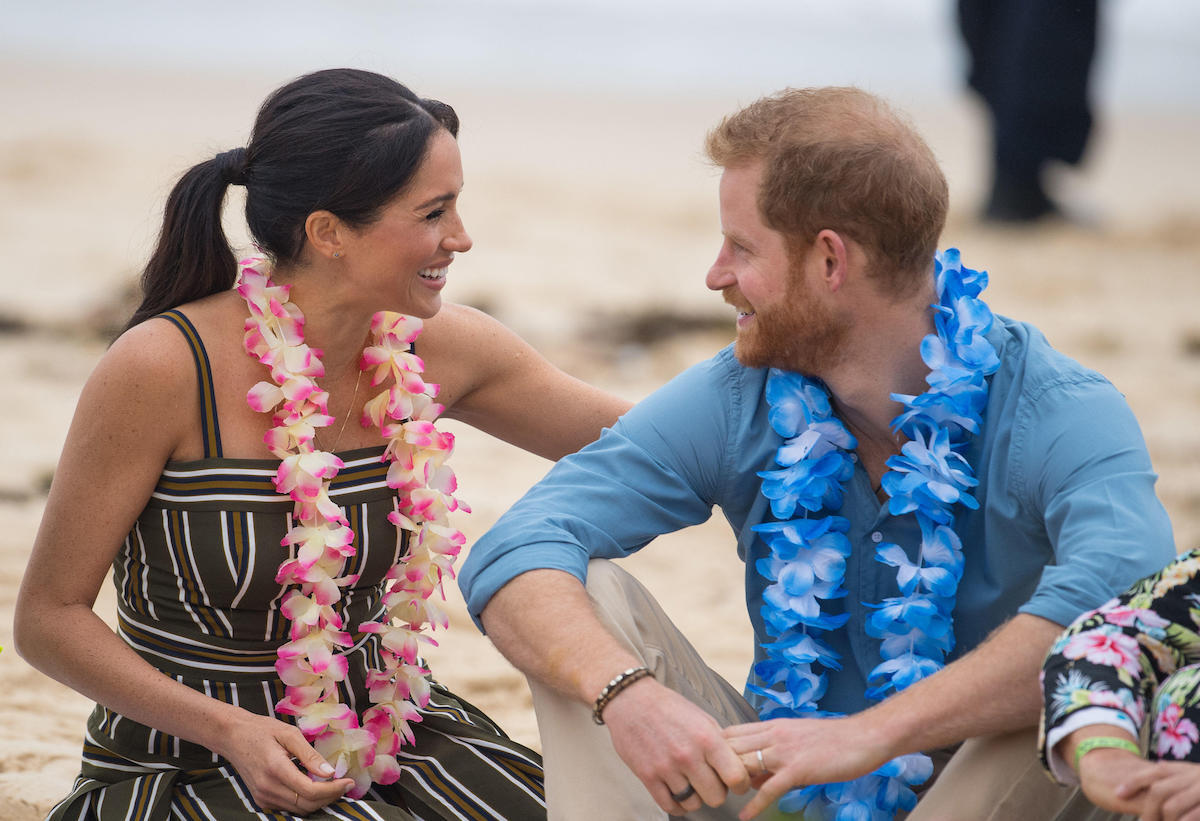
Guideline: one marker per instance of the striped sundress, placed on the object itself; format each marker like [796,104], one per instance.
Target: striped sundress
[197,599]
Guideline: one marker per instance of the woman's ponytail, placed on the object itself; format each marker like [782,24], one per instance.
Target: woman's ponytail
[192,258]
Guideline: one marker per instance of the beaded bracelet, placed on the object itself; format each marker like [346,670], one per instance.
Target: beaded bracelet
[610,691]
[1101,741]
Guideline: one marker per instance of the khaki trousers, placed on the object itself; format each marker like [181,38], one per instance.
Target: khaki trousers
[996,778]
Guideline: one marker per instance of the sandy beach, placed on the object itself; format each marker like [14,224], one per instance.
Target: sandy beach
[594,220]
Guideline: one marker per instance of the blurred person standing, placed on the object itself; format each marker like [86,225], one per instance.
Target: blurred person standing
[1030,61]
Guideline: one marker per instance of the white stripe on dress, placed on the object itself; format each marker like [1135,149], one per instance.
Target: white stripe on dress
[170,542]
[145,590]
[234,498]
[434,792]
[474,744]
[189,555]
[227,544]
[235,782]
[251,555]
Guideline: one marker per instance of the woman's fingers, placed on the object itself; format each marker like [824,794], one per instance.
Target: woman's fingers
[314,788]
[293,742]
[281,769]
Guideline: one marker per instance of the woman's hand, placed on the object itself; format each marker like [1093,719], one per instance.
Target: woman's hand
[268,754]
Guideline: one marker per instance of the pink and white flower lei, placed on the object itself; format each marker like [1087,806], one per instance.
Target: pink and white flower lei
[309,664]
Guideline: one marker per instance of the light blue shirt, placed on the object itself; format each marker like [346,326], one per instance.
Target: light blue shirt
[1068,516]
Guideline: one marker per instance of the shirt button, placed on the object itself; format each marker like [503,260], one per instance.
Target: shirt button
[853,457]
[877,537]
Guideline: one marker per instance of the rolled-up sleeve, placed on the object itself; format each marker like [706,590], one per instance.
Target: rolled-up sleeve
[1083,467]
[659,469]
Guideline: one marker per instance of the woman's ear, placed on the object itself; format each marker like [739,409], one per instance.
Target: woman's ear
[326,234]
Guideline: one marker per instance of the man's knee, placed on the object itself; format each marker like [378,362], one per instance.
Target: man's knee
[604,576]
[630,613]
[619,600]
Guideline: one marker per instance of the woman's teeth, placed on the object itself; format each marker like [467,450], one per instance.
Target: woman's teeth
[432,273]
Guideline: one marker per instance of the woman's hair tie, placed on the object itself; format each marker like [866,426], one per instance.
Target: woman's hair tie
[232,164]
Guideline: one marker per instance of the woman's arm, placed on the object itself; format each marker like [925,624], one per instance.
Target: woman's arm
[131,416]
[504,387]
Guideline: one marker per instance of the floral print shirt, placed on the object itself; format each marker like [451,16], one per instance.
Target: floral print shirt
[1133,663]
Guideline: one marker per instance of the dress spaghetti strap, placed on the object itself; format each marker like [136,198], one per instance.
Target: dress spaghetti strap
[210,430]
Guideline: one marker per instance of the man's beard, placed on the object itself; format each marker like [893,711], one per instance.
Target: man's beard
[799,335]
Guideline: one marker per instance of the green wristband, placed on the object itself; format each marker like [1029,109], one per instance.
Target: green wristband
[1097,742]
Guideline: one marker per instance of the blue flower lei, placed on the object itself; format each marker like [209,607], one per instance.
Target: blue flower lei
[808,555]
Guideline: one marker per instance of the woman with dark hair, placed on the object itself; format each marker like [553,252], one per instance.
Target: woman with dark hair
[271,601]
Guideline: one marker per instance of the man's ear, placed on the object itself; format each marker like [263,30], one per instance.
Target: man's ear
[326,234]
[829,250]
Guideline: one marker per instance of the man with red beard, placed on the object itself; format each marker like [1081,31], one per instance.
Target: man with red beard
[923,494]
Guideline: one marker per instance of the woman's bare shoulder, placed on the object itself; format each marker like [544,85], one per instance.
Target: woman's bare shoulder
[154,350]
[147,379]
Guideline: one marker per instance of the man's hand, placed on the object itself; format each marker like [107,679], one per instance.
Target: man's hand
[943,709]
[797,752]
[670,743]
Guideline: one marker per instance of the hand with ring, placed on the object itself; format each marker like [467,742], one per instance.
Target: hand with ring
[684,794]
[756,764]
[782,754]
[675,748]
[281,770]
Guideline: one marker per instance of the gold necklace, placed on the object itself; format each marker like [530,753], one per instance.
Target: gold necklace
[346,417]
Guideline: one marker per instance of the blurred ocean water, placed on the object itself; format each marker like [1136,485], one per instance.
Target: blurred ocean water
[907,49]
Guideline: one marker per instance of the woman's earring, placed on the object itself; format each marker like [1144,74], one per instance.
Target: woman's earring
[337,254]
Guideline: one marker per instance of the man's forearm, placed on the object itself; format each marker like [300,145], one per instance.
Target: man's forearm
[992,689]
[543,622]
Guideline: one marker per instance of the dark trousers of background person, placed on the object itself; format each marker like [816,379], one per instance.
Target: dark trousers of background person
[1030,61]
